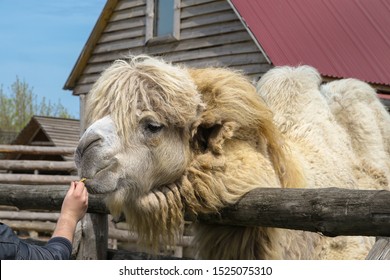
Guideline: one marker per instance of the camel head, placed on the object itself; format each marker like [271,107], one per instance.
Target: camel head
[136,146]
[139,115]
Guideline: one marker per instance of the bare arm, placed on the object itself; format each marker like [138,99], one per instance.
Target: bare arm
[74,207]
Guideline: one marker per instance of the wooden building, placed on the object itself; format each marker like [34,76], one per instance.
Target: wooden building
[201,33]
[252,36]
[45,146]
[51,132]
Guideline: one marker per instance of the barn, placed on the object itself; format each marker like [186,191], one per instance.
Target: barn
[340,39]
[30,164]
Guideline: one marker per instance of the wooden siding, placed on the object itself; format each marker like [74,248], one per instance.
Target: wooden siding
[210,35]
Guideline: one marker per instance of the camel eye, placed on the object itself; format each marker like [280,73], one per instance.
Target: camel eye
[153,127]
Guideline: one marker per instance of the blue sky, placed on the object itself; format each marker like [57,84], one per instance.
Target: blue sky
[40,41]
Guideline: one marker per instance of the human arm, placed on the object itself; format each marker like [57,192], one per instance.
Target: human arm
[73,208]
[14,248]
[59,246]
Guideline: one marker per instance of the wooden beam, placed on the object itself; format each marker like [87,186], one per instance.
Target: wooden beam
[35,150]
[46,226]
[37,179]
[27,215]
[45,197]
[128,236]
[38,226]
[37,164]
[126,255]
[330,211]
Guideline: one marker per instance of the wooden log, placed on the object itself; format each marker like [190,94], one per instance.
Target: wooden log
[27,215]
[37,179]
[37,165]
[45,197]
[330,211]
[128,236]
[30,225]
[36,150]
[122,235]
[126,255]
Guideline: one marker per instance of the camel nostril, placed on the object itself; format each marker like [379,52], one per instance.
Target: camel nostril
[83,147]
[91,144]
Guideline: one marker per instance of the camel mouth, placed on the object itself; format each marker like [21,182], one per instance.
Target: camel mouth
[104,181]
[97,187]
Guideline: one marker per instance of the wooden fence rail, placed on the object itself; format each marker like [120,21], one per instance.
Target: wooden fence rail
[331,211]
[27,215]
[36,150]
[37,179]
[114,233]
[38,165]
[43,197]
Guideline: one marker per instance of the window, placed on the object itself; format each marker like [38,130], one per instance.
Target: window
[162,20]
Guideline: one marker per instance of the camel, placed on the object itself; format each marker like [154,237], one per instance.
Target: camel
[164,140]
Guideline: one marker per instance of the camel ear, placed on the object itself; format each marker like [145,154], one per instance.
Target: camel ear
[209,134]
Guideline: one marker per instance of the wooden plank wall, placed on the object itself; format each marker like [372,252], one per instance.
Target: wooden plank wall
[210,35]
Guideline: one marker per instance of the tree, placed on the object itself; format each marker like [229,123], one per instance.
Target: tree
[17,108]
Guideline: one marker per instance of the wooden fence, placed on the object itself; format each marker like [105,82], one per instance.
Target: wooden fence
[36,165]
[331,211]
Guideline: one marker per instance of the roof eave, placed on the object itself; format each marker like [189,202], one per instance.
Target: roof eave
[87,50]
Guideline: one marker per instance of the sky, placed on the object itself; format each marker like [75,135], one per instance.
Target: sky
[40,41]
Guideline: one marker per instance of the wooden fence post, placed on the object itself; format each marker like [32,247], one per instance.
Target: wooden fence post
[380,250]
[94,238]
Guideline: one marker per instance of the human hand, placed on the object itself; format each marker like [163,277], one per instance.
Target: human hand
[75,203]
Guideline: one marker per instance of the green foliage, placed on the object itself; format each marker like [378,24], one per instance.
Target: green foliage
[17,107]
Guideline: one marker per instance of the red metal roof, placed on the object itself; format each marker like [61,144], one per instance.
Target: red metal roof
[341,38]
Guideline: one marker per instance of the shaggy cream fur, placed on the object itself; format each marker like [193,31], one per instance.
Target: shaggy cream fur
[334,131]
[366,122]
[181,140]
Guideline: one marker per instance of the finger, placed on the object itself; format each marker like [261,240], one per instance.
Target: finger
[79,187]
[83,190]
[71,187]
